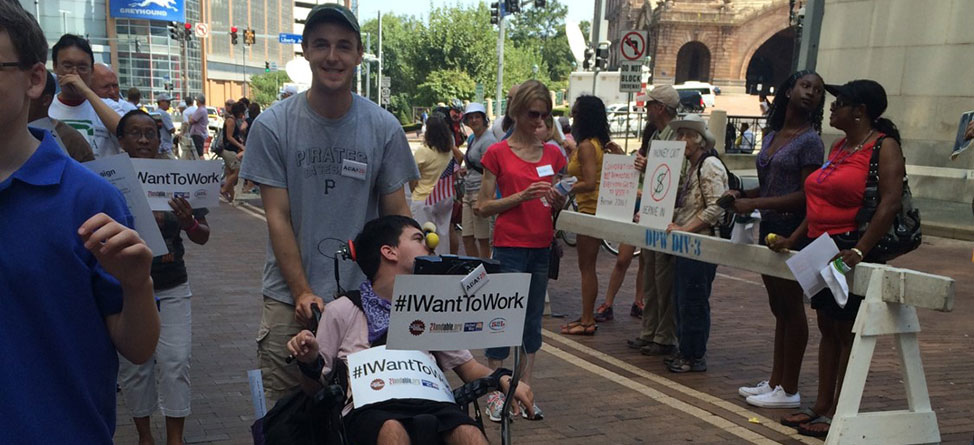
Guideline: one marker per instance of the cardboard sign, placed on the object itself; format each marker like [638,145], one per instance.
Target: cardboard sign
[196,181]
[377,375]
[617,188]
[118,171]
[432,313]
[664,161]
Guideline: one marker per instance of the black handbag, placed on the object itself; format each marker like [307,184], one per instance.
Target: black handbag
[904,234]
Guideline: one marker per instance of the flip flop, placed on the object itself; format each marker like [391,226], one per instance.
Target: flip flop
[805,431]
[812,415]
[580,329]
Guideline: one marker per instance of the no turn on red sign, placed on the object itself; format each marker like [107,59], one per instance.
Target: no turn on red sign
[633,45]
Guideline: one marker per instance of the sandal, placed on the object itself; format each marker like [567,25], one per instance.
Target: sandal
[604,313]
[578,328]
[807,412]
[636,311]
[805,430]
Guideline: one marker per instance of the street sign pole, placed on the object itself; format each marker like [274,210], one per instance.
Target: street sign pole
[498,111]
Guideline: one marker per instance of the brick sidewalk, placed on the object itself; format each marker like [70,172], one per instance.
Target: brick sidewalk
[592,389]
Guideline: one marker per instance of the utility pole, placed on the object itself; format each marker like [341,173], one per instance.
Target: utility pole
[498,113]
[811,29]
[368,68]
[596,39]
[380,59]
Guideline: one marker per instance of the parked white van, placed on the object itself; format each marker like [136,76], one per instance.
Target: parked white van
[705,89]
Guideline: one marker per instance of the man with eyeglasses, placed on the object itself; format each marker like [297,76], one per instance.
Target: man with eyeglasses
[77,105]
[92,301]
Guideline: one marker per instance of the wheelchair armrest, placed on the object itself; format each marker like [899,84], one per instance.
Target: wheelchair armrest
[480,387]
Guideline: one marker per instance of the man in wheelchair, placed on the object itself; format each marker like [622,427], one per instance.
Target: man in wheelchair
[387,247]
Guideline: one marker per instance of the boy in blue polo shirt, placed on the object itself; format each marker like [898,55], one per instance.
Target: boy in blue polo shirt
[75,289]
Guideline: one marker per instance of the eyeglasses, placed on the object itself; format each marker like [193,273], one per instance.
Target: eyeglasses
[839,103]
[148,134]
[9,64]
[80,69]
[538,114]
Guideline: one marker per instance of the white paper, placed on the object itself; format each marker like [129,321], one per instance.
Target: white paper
[836,282]
[664,160]
[119,172]
[378,374]
[617,188]
[431,312]
[197,181]
[807,263]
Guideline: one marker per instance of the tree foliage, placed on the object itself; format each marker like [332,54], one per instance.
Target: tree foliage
[265,87]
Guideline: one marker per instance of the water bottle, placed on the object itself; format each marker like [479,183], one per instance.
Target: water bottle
[564,187]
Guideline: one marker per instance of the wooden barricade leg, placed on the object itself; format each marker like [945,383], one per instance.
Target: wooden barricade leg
[916,425]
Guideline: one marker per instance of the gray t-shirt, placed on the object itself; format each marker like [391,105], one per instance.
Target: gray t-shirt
[335,171]
[475,151]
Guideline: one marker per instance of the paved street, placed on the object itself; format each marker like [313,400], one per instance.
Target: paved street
[592,389]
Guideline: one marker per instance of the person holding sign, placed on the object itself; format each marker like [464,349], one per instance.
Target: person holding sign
[703,181]
[789,153]
[523,168]
[591,130]
[385,248]
[74,278]
[834,196]
[139,136]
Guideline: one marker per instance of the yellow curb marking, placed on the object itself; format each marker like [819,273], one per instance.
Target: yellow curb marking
[665,382]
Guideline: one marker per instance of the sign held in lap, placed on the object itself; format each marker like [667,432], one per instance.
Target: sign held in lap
[377,375]
[433,313]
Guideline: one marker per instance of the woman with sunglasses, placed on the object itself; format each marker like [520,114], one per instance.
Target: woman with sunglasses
[790,153]
[523,168]
[591,130]
[139,137]
[833,197]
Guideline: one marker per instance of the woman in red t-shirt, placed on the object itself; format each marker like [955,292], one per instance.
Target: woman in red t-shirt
[833,196]
[523,168]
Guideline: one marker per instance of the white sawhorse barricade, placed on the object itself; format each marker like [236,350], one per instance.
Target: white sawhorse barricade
[889,308]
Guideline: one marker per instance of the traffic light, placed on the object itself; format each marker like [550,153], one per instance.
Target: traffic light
[587,60]
[495,13]
[512,6]
[539,3]
[233,35]
[188,27]
[174,30]
[250,37]
[267,66]
[602,57]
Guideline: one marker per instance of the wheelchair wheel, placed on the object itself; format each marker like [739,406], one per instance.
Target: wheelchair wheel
[613,248]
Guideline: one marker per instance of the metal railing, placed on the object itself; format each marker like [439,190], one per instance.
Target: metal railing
[756,125]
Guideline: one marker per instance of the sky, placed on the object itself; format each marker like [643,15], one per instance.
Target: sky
[578,10]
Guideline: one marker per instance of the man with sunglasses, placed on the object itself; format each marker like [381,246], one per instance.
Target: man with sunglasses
[77,105]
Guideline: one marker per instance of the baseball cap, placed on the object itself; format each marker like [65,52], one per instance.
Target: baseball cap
[333,11]
[163,97]
[475,107]
[664,94]
[862,91]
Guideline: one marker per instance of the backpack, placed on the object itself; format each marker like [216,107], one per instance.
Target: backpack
[216,144]
[726,223]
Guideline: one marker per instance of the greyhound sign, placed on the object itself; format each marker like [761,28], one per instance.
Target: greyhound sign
[162,10]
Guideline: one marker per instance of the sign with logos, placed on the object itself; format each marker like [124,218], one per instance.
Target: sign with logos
[632,47]
[118,171]
[196,181]
[288,39]
[433,313]
[377,375]
[202,30]
[630,77]
[162,10]
[664,161]
[617,188]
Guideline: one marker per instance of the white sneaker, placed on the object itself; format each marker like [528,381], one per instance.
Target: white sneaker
[760,388]
[776,399]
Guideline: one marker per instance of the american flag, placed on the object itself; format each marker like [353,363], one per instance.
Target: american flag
[444,186]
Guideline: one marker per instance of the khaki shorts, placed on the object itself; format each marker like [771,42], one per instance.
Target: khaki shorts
[277,326]
[473,225]
[230,159]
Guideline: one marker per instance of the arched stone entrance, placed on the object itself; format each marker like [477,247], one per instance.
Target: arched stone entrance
[771,62]
[693,63]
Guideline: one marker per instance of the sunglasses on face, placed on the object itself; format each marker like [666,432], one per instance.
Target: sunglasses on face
[839,103]
[538,114]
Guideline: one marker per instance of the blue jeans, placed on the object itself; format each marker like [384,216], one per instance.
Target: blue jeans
[692,281]
[534,262]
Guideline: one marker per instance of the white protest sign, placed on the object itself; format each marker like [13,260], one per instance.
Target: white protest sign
[664,160]
[432,313]
[196,181]
[118,171]
[617,188]
[808,262]
[377,375]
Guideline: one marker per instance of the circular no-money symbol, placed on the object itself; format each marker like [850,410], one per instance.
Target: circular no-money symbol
[662,180]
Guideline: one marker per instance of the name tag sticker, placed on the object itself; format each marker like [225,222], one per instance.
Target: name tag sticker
[545,170]
[354,169]
[474,280]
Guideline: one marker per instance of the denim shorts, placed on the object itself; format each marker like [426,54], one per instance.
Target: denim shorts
[535,262]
